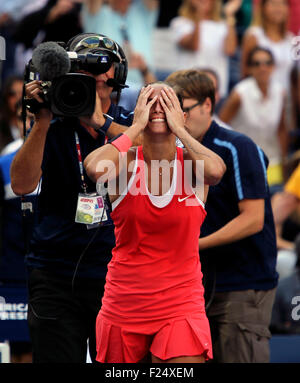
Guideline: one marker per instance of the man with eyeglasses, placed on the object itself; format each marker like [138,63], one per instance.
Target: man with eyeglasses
[238,243]
[71,245]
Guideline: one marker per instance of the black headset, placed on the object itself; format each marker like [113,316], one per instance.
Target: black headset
[93,42]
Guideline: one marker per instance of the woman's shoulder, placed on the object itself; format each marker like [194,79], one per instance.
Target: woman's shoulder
[290,36]
[180,21]
[254,30]
[244,85]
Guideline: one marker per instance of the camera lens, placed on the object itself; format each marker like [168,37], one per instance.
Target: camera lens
[73,95]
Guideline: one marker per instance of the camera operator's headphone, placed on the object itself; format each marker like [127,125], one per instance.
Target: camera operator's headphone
[93,43]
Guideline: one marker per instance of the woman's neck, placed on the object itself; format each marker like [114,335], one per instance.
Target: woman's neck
[273,31]
[159,149]
[208,15]
[263,86]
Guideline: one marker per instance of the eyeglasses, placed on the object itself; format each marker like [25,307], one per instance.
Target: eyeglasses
[102,42]
[261,63]
[188,109]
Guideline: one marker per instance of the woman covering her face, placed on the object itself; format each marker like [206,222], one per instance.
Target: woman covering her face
[153,302]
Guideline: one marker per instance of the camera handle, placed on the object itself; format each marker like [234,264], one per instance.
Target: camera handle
[33,106]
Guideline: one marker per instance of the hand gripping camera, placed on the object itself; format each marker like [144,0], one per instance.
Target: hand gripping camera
[66,91]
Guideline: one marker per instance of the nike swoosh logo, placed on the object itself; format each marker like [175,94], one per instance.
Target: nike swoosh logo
[182,199]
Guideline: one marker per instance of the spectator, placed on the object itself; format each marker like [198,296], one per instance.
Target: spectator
[9,122]
[269,30]
[238,243]
[50,20]
[10,13]
[294,19]
[287,296]
[68,260]
[166,317]
[204,39]
[131,24]
[255,107]
[284,204]
[13,276]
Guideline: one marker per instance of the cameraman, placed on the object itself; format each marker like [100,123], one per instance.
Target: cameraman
[67,262]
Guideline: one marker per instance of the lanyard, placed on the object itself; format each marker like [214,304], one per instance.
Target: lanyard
[79,156]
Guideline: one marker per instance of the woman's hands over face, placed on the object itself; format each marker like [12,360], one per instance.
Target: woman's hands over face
[171,106]
[143,106]
[168,104]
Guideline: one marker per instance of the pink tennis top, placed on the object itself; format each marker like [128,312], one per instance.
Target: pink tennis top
[155,272]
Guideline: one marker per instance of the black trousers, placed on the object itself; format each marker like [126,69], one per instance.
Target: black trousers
[61,319]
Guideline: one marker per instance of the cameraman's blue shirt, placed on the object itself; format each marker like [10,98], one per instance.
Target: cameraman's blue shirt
[249,263]
[58,241]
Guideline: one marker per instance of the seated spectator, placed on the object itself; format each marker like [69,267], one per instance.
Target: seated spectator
[269,30]
[255,107]
[129,23]
[9,123]
[285,315]
[197,22]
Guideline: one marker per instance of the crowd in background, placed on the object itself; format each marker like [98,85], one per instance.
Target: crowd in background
[249,47]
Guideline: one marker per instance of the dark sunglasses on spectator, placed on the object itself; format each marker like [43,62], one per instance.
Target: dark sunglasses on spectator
[257,63]
[186,110]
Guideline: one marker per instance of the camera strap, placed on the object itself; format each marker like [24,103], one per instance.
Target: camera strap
[79,156]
